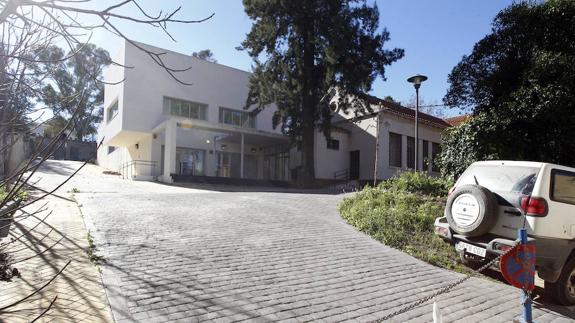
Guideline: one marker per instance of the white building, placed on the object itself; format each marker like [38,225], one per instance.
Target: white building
[157,127]
[350,153]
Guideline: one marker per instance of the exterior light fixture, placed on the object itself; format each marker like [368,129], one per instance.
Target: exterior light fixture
[223,147]
[253,150]
[417,80]
[208,141]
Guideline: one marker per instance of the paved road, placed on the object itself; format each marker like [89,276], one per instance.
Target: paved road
[204,255]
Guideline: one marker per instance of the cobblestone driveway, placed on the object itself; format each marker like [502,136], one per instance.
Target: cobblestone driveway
[190,255]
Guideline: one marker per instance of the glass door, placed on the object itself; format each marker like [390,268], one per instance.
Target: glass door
[190,161]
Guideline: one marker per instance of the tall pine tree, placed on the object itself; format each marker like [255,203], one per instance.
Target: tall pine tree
[304,48]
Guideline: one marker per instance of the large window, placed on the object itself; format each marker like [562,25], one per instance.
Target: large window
[395,150]
[186,109]
[435,151]
[333,144]
[563,186]
[410,152]
[112,111]
[237,118]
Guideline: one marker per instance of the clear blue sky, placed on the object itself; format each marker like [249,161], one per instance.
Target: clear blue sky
[435,35]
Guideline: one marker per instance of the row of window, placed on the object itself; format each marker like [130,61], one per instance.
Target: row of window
[195,110]
[396,148]
[186,109]
[237,118]
[396,156]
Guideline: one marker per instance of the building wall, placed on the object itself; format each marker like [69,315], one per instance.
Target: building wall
[140,102]
[362,137]
[113,93]
[329,161]
[405,128]
[209,83]
[198,139]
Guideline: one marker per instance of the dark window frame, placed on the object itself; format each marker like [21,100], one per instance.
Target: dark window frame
[410,161]
[554,172]
[201,109]
[332,144]
[112,111]
[425,154]
[400,137]
[244,118]
[434,166]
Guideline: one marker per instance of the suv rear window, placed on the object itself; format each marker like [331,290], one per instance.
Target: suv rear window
[501,178]
[563,186]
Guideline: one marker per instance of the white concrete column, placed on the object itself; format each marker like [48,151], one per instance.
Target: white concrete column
[242,157]
[170,151]
[260,165]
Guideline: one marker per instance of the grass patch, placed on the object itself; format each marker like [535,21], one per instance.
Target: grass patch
[93,251]
[400,213]
[20,195]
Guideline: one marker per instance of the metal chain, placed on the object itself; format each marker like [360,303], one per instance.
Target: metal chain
[442,290]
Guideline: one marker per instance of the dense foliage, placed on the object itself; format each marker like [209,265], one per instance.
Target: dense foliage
[519,84]
[400,212]
[302,50]
[74,87]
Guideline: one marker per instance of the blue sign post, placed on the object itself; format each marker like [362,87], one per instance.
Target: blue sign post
[527,316]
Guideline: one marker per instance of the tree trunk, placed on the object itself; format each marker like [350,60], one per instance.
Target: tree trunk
[309,106]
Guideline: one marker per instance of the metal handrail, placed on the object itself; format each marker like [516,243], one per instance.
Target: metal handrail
[129,169]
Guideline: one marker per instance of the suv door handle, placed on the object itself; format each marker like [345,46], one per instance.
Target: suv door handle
[516,213]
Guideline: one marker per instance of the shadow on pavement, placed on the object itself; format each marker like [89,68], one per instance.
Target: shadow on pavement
[540,299]
[235,188]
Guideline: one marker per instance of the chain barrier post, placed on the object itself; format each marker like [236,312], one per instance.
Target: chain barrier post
[527,315]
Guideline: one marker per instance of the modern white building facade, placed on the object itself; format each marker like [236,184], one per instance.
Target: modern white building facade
[155,127]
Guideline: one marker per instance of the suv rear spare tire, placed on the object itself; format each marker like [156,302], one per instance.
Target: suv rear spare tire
[471,210]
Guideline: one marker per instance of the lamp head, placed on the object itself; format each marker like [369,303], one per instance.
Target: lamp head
[417,80]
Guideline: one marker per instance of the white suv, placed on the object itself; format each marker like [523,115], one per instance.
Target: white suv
[486,206]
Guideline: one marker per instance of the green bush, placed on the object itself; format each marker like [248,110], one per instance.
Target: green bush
[417,182]
[21,194]
[400,213]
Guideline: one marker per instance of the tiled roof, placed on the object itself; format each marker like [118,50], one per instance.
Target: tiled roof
[406,112]
[455,121]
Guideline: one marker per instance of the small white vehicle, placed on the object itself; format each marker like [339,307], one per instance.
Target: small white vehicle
[487,206]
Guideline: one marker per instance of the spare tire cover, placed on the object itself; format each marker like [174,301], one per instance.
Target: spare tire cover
[471,210]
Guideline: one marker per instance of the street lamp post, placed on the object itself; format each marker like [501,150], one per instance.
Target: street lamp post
[417,80]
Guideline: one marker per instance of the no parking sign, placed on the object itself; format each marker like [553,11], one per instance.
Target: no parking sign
[518,266]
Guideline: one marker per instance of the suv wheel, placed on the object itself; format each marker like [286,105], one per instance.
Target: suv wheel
[471,210]
[563,291]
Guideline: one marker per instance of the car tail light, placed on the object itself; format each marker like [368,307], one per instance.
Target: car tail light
[534,206]
[442,231]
